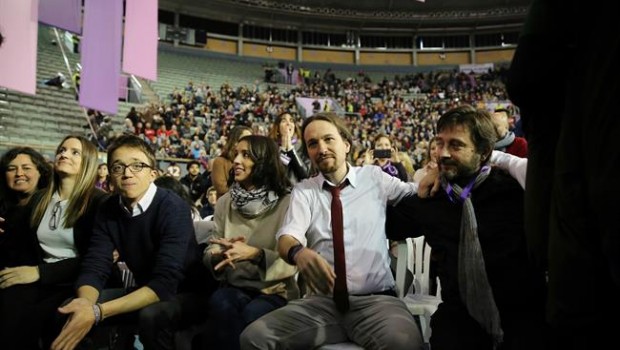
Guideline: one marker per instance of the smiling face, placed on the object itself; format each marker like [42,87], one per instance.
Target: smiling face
[22,175]
[131,185]
[327,149]
[68,159]
[242,165]
[457,154]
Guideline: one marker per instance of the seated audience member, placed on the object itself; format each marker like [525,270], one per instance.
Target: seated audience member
[103,178]
[287,135]
[23,171]
[506,139]
[242,251]
[151,228]
[222,165]
[493,297]
[208,202]
[352,297]
[384,155]
[194,181]
[430,162]
[61,223]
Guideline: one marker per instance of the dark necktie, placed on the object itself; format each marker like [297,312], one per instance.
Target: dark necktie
[341,293]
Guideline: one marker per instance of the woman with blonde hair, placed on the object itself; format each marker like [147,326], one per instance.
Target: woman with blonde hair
[61,226]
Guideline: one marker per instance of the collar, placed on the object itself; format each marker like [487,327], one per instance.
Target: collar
[142,205]
[351,176]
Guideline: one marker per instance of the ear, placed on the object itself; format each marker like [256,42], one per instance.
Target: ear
[348,145]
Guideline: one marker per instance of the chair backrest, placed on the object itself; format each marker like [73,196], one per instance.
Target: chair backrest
[418,254]
[421,267]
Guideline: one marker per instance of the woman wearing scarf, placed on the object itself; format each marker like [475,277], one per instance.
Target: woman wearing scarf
[388,161]
[242,253]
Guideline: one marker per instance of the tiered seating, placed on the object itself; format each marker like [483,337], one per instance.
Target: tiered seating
[43,120]
[176,70]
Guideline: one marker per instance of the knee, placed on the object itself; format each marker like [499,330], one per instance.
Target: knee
[253,337]
[404,340]
[155,316]
[221,303]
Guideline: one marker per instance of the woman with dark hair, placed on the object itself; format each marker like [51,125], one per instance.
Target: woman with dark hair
[222,165]
[287,134]
[23,171]
[60,228]
[103,178]
[242,253]
[385,155]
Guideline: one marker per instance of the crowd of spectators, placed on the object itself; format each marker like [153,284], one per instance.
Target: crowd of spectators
[195,120]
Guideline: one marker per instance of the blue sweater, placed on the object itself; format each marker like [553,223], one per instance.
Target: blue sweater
[159,246]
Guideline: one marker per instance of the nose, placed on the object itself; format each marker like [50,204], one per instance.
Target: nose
[237,159]
[19,171]
[322,147]
[443,152]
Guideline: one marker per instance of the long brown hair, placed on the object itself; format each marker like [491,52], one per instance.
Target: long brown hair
[233,138]
[274,132]
[82,191]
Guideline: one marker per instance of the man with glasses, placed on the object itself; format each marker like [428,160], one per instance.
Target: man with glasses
[151,229]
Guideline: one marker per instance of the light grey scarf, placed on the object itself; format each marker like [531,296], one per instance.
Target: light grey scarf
[474,285]
[505,141]
[253,203]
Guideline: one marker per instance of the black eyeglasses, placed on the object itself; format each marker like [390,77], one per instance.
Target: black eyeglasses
[56,215]
[119,169]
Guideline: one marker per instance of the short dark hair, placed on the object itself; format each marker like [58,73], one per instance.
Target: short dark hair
[132,141]
[39,161]
[192,162]
[477,121]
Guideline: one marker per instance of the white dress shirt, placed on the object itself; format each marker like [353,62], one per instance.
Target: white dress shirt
[364,202]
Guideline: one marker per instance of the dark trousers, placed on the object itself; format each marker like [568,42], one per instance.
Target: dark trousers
[26,314]
[454,329]
[156,324]
[232,309]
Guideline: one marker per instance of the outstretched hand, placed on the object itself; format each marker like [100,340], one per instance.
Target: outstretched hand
[81,320]
[317,272]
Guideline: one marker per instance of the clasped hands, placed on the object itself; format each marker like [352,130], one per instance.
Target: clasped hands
[232,250]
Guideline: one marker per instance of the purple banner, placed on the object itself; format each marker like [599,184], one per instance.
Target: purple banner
[18,53]
[141,31]
[101,55]
[65,14]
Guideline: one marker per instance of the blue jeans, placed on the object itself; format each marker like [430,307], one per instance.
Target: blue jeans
[232,309]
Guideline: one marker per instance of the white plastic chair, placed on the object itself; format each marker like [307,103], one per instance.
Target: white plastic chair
[418,299]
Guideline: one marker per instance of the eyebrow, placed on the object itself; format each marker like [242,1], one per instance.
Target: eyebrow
[133,160]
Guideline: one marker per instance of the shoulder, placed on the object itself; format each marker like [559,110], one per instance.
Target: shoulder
[219,160]
[503,181]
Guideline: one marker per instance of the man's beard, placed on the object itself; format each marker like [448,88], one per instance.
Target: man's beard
[457,172]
